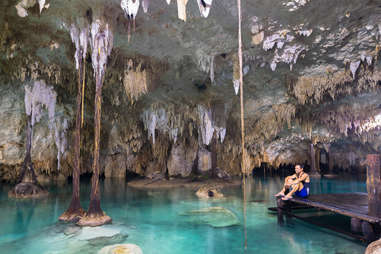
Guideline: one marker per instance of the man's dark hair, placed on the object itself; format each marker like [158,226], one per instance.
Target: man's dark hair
[300,165]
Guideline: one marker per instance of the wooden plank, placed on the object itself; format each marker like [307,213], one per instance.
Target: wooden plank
[349,204]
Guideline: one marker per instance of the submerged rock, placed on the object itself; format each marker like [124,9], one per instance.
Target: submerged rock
[214,216]
[121,249]
[72,230]
[88,233]
[27,190]
[209,192]
[107,240]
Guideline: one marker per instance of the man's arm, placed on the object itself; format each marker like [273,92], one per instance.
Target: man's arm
[301,178]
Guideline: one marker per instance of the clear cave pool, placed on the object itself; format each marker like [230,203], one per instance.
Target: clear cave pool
[160,221]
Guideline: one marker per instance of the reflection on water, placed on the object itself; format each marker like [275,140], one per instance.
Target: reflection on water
[154,220]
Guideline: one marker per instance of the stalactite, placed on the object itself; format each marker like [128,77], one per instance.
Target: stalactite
[145,5]
[130,8]
[354,66]
[167,121]
[204,6]
[41,3]
[182,9]
[36,97]
[235,73]
[312,89]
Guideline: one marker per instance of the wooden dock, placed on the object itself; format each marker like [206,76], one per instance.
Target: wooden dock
[354,205]
[364,209]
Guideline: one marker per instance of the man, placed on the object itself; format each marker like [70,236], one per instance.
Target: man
[298,184]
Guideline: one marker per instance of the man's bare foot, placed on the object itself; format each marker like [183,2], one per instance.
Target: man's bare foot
[280,194]
[286,197]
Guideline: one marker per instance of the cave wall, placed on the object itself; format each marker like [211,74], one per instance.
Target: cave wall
[311,70]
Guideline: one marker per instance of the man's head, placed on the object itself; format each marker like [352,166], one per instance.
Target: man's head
[298,168]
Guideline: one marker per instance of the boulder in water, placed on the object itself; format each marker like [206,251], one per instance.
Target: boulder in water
[121,249]
[209,192]
[374,247]
[27,190]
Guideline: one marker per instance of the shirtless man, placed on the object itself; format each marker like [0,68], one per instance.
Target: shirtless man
[298,184]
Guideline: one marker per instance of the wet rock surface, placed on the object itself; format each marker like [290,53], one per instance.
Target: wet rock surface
[207,192]
[374,247]
[122,249]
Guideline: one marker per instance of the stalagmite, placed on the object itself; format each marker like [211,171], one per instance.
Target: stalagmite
[182,9]
[80,38]
[101,45]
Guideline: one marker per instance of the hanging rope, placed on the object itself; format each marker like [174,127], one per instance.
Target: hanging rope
[83,90]
[243,164]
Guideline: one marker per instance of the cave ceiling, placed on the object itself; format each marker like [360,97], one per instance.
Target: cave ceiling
[303,59]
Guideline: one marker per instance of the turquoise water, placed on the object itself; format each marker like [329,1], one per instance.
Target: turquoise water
[159,221]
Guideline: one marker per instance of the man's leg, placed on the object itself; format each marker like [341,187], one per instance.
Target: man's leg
[294,188]
[285,186]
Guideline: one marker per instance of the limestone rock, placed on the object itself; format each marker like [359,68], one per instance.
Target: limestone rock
[209,192]
[374,247]
[115,166]
[121,249]
[181,161]
[11,126]
[204,160]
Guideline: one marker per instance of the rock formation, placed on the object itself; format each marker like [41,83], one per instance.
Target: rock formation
[311,76]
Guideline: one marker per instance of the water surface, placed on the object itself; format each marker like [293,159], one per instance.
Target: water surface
[156,220]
